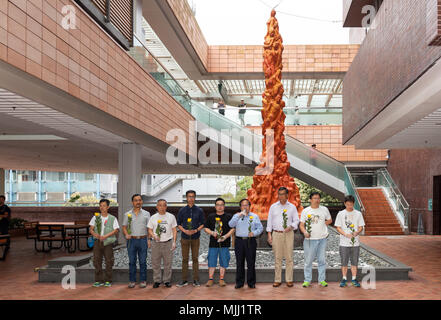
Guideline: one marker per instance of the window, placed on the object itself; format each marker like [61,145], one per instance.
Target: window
[54,176]
[26,175]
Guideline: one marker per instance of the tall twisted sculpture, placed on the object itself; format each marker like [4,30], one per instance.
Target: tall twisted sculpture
[263,192]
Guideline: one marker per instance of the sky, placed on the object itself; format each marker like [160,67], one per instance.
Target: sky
[236,22]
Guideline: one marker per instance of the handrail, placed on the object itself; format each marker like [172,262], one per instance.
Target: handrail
[362,208]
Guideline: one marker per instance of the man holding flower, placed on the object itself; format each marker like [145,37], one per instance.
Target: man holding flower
[191,221]
[135,230]
[220,232]
[162,228]
[314,225]
[248,227]
[103,227]
[283,218]
[349,223]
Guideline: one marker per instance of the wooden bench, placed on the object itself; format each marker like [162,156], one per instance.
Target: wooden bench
[5,244]
[50,233]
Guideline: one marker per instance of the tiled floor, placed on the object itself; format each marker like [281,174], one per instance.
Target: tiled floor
[423,253]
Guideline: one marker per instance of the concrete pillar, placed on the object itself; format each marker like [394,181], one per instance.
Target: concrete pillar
[129,179]
[2,181]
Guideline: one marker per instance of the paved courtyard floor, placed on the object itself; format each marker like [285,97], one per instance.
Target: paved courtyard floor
[18,280]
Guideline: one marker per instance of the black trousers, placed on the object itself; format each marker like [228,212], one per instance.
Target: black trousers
[245,249]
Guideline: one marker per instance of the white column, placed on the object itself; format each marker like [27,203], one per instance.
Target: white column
[129,179]
[2,181]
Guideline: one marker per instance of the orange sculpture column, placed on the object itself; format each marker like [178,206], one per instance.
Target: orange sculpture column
[263,192]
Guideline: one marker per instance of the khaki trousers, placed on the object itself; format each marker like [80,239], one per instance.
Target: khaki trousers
[162,250]
[283,245]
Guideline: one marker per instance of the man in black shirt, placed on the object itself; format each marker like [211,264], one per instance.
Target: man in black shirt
[5,216]
[190,221]
[220,232]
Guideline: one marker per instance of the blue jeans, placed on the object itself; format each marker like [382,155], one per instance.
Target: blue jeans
[223,254]
[137,247]
[315,249]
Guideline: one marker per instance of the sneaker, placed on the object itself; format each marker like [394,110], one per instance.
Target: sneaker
[156,285]
[222,283]
[167,285]
[196,283]
[343,283]
[107,284]
[355,283]
[182,284]
[306,284]
[131,285]
[97,284]
[209,283]
[323,283]
[143,284]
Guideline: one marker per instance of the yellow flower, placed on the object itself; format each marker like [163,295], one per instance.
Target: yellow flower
[97,214]
[159,221]
[309,216]
[217,219]
[284,210]
[189,220]
[129,215]
[221,223]
[251,217]
[351,225]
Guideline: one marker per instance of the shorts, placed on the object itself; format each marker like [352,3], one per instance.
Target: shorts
[222,253]
[351,253]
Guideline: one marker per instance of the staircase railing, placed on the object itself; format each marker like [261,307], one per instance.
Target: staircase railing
[401,206]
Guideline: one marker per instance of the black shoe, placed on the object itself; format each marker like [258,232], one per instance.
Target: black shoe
[252,286]
[167,284]
[156,285]
[238,286]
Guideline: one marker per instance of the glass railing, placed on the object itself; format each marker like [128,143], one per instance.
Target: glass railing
[154,67]
[304,117]
[352,190]
[399,202]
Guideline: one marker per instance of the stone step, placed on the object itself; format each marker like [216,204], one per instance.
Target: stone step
[385,225]
[379,233]
[383,229]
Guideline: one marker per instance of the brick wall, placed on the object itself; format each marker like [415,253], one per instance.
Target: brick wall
[86,63]
[413,171]
[393,55]
[296,58]
[188,22]
[329,141]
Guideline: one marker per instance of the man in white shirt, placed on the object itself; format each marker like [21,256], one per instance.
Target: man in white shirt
[349,223]
[162,228]
[283,218]
[314,245]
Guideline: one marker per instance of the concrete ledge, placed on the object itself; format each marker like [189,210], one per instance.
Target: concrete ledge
[86,275]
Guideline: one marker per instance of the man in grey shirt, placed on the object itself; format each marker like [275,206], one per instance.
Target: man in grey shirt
[135,230]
